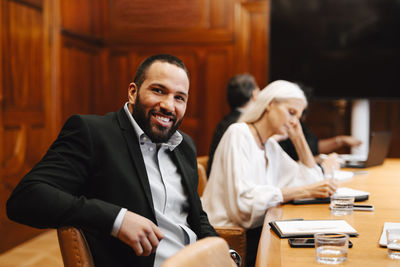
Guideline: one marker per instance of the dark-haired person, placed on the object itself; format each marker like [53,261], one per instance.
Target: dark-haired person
[128,179]
[241,91]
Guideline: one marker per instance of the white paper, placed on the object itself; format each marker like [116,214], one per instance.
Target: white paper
[315,226]
[345,191]
[387,225]
[342,175]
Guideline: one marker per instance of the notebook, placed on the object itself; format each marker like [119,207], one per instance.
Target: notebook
[359,195]
[307,228]
[378,150]
[387,225]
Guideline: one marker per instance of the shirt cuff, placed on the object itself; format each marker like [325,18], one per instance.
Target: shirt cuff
[118,222]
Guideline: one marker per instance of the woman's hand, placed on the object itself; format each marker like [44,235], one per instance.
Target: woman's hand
[320,189]
[294,129]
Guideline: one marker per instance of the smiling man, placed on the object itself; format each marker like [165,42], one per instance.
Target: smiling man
[128,179]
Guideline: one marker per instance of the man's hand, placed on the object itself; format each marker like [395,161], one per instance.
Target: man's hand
[140,233]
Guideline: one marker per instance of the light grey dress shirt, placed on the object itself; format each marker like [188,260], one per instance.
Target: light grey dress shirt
[170,201]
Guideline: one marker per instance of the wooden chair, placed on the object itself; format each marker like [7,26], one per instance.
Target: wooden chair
[209,251]
[74,248]
[202,179]
[202,160]
[234,235]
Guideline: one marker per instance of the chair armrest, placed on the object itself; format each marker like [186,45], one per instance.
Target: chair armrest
[74,247]
[236,238]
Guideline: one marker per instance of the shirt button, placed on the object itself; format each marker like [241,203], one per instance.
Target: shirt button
[151,149]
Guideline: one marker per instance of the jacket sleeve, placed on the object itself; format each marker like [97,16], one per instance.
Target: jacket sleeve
[50,195]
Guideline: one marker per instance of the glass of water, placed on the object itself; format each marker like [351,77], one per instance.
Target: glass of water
[342,205]
[393,243]
[331,248]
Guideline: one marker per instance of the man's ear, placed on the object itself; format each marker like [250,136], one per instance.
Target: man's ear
[132,93]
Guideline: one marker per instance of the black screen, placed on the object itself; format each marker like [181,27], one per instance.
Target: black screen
[340,48]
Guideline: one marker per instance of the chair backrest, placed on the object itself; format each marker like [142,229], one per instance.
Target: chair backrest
[202,160]
[234,235]
[209,251]
[202,179]
[74,248]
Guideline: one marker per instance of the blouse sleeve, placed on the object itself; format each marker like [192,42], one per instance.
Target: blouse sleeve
[292,173]
[248,191]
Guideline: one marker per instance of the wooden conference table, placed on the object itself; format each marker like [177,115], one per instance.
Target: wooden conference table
[383,184]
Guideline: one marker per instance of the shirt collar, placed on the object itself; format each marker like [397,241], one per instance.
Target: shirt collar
[172,143]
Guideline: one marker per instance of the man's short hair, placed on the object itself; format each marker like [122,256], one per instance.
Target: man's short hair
[143,67]
[239,90]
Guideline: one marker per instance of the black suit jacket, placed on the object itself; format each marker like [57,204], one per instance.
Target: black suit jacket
[94,168]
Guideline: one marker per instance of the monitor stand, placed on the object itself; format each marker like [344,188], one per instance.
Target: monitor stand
[360,126]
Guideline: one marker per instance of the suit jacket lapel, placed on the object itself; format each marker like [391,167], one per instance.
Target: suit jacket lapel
[136,154]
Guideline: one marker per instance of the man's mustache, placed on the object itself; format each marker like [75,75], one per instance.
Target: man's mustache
[164,112]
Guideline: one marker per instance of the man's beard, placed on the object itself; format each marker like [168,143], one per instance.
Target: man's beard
[160,134]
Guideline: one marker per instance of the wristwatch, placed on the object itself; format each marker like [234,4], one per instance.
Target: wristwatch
[236,257]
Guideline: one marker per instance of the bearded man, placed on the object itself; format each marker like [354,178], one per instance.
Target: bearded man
[127,179]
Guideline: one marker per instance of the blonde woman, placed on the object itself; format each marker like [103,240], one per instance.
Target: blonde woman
[251,172]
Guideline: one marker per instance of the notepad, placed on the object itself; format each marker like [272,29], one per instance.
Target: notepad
[387,225]
[359,195]
[306,228]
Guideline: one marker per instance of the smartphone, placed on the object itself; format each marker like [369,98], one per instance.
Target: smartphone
[363,207]
[306,243]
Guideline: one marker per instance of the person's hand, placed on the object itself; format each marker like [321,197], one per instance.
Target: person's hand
[322,189]
[330,163]
[294,129]
[140,233]
[349,140]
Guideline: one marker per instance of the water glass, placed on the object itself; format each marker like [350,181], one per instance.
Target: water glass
[331,248]
[342,205]
[393,243]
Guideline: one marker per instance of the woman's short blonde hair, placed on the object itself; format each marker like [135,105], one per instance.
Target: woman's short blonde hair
[279,89]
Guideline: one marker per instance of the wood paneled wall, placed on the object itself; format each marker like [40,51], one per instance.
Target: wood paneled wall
[24,91]
[215,39]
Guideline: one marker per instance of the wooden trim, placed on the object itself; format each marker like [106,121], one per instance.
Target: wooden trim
[38,4]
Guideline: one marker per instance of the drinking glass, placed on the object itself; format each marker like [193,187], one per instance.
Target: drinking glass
[342,205]
[393,243]
[331,248]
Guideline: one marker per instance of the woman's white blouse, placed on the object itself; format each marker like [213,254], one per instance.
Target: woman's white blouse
[241,186]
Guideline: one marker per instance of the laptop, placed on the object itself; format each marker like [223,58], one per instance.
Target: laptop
[378,150]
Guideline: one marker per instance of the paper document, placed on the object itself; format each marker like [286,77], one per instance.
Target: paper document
[310,227]
[345,191]
[387,225]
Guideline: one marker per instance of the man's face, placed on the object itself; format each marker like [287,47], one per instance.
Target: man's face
[160,104]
